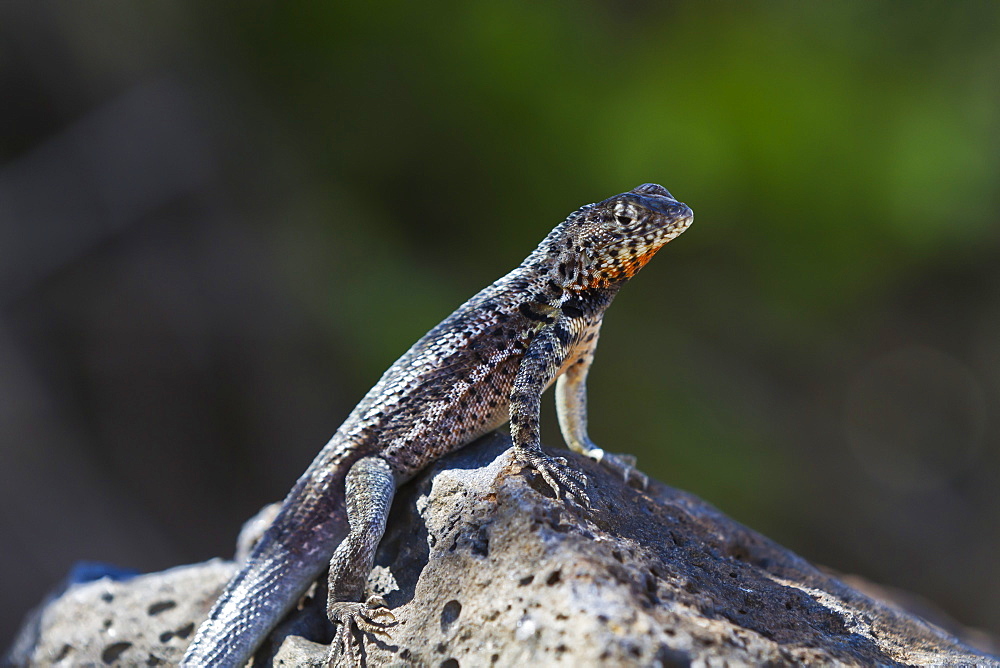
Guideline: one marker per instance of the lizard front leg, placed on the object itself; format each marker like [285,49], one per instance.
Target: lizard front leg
[540,363]
[370,486]
[571,407]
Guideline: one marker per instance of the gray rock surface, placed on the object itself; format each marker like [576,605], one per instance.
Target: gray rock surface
[143,621]
[481,566]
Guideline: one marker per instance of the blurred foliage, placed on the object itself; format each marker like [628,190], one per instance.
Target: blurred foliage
[833,153]
[842,160]
[829,151]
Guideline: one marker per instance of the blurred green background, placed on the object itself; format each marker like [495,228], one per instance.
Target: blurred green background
[219,223]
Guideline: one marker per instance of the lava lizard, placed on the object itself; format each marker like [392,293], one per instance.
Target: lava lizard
[486,363]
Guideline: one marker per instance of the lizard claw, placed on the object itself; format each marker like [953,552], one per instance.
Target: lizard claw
[624,457]
[369,618]
[621,464]
[556,472]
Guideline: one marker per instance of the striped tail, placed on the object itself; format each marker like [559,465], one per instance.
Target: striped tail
[254,601]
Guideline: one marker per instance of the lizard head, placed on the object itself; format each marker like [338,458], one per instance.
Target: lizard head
[606,243]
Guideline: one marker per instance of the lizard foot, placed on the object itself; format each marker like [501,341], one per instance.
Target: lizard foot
[371,617]
[622,465]
[557,473]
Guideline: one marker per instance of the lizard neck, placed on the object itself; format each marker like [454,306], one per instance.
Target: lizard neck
[557,279]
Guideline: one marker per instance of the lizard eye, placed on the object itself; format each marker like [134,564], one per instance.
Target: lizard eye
[624,220]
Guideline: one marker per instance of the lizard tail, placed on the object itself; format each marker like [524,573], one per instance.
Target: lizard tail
[292,553]
[253,603]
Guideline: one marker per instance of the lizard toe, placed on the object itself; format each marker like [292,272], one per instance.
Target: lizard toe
[343,652]
[376,608]
[624,466]
[556,472]
[357,619]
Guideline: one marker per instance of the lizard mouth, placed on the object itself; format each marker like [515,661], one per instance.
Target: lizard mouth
[666,213]
[680,219]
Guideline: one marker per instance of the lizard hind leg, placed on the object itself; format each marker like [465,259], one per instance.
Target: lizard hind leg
[370,487]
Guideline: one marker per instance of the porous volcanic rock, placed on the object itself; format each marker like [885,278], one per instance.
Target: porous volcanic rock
[482,566]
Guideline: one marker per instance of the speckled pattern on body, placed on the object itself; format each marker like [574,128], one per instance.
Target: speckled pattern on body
[487,363]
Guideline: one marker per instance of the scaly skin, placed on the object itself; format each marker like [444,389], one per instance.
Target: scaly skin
[487,363]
